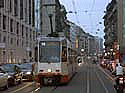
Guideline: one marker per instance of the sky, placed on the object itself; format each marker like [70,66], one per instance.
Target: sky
[89,14]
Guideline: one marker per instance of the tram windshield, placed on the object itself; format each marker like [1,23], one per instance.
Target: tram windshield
[49,52]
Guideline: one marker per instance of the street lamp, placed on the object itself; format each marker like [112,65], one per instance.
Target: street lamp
[112,56]
[111,50]
[50,13]
[38,40]
[82,52]
[50,18]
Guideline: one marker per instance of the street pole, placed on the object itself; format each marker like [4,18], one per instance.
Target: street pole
[38,54]
[88,47]
[50,18]
[82,52]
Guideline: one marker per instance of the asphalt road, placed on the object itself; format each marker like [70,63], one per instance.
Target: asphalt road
[88,79]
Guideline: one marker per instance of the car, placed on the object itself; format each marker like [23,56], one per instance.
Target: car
[14,74]
[3,79]
[27,70]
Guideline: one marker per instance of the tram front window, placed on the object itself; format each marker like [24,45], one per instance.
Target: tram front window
[50,52]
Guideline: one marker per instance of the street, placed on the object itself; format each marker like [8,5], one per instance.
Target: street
[89,79]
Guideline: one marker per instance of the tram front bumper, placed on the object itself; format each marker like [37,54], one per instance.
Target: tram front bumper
[52,78]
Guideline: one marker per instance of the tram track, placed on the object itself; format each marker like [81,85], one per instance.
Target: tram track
[105,80]
[93,80]
[101,80]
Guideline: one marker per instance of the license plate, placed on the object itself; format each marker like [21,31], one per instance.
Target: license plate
[121,81]
[47,80]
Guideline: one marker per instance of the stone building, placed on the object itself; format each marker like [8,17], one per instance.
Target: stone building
[17,34]
[53,16]
[110,23]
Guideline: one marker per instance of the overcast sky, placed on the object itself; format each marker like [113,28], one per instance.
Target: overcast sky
[89,14]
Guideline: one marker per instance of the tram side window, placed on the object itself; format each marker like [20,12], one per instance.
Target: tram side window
[64,54]
[70,56]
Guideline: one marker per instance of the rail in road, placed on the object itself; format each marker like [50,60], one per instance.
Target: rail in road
[89,79]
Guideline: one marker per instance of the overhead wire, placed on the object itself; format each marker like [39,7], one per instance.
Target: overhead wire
[75,11]
[90,12]
[90,16]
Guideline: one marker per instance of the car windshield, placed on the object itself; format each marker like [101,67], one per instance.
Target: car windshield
[9,67]
[25,66]
[50,52]
[2,70]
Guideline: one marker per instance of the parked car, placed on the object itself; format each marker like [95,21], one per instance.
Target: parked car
[3,79]
[14,74]
[27,70]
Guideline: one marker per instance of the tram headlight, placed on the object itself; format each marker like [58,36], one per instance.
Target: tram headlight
[49,70]
[28,73]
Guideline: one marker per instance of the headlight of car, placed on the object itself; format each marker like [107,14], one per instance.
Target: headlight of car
[28,72]
[9,76]
[49,70]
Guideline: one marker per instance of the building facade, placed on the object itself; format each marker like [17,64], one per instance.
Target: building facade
[110,23]
[53,16]
[17,34]
[121,27]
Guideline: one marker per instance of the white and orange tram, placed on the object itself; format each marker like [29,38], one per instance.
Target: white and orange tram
[57,61]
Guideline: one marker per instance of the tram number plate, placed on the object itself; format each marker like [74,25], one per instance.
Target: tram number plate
[47,80]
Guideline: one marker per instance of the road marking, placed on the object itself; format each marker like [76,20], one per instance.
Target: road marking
[37,89]
[21,88]
[101,82]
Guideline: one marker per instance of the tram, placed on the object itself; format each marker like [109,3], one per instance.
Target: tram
[57,61]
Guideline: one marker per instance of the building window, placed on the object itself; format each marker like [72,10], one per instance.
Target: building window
[0,20]
[25,9]
[11,25]
[27,33]
[10,6]
[30,11]
[17,28]
[4,39]
[4,52]
[0,37]
[1,3]
[8,39]
[21,9]
[22,30]
[22,43]
[31,35]
[11,55]
[11,40]
[16,7]
[26,43]
[33,13]
[17,42]
[4,22]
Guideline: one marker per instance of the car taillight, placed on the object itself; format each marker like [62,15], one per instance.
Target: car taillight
[120,78]
[57,70]
[41,70]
